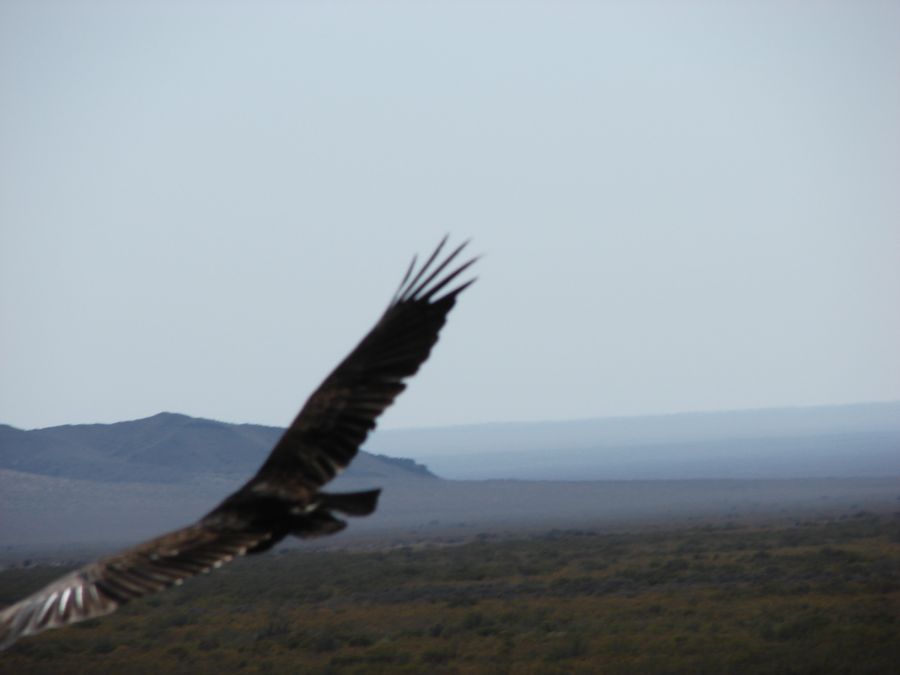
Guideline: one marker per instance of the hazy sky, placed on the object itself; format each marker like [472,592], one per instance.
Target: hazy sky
[683,205]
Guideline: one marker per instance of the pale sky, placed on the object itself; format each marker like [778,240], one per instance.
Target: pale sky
[683,205]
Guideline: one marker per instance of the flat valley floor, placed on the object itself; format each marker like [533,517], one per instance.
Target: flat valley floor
[820,595]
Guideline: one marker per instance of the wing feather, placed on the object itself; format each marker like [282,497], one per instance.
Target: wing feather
[100,587]
[340,414]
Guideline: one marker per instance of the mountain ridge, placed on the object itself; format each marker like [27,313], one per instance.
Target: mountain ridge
[812,441]
[165,448]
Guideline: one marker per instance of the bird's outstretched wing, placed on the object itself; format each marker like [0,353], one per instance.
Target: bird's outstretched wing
[322,440]
[334,422]
[100,587]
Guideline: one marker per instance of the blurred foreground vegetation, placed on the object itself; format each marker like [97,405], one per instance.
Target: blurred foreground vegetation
[813,597]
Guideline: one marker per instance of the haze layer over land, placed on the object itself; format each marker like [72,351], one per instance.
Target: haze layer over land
[826,441]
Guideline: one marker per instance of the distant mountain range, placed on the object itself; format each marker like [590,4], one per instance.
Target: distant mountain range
[96,483]
[832,441]
[165,448]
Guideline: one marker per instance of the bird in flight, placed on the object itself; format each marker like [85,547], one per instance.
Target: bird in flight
[284,496]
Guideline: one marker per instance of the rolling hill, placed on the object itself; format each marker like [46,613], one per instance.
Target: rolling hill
[164,448]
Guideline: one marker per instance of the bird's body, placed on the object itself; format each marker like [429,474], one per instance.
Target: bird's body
[284,497]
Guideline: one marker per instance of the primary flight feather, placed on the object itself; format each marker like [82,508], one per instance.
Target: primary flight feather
[283,498]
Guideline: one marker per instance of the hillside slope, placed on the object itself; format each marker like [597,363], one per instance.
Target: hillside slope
[164,448]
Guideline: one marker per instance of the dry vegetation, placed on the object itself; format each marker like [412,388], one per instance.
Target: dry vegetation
[812,597]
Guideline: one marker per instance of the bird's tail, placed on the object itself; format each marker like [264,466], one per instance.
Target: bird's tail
[351,503]
[321,521]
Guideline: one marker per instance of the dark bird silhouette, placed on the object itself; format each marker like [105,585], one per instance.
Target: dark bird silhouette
[283,498]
